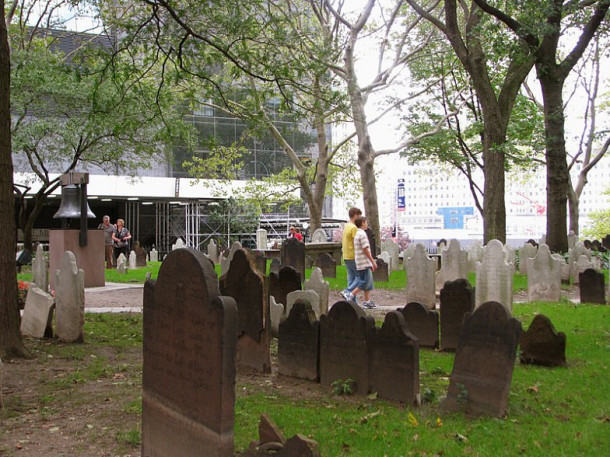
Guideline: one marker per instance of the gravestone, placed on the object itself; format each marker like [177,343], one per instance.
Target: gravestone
[579,267]
[457,300]
[544,276]
[276,311]
[247,287]
[572,239]
[40,269]
[475,254]
[140,254]
[394,372]
[327,264]
[387,258]
[587,244]
[298,343]
[382,273]
[423,323]
[592,287]
[132,260]
[392,248]
[37,319]
[307,296]
[606,241]
[308,262]
[319,236]
[121,264]
[542,345]
[260,261]
[527,251]
[344,352]
[407,254]
[494,277]
[573,256]
[284,282]
[454,263]
[484,362]
[510,257]
[154,255]
[421,272]
[261,239]
[317,283]
[188,380]
[565,268]
[212,250]
[225,260]
[70,300]
[179,244]
[293,255]
[372,241]
[275,266]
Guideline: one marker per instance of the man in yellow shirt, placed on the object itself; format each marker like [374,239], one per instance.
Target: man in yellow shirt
[349,231]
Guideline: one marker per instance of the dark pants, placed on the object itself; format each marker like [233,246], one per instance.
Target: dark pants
[109,255]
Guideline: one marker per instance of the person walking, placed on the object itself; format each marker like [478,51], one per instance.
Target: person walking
[108,229]
[347,247]
[365,264]
[121,237]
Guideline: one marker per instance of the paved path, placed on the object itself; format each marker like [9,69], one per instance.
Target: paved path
[114,298]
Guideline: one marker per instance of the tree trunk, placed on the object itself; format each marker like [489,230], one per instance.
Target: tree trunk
[11,344]
[494,208]
[556,164]
[573,209]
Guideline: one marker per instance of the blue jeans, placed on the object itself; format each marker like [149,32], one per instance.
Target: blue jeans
[352,273]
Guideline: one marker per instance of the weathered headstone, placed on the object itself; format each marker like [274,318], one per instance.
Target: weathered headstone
[387,258]
[188,381]
[475,254]
[179,244]
[579,267]
[527,251]
[293,255]
[132,260]
[247,287]
[213,251]
[298,343]
[542,345]
[276,311]
[70,300]
[407,254]
[154,255]
[394,373]
[275,266]
[572,239]
[510,257]
[319,236]
[574,254]
[317,283]
[140,254]
[40,269]
[494,277]
[37,319]
[308,262]
[457,300]
[423,323]
[308,296]
[592,287]
[261,239]
[260,261]
[421,272]
[392,248]
[121,264]
[343,345]
[225,260]
[543,276]
[454,263]
[484,362]
[284,282]
[327,264]
[382,273]
[565,268]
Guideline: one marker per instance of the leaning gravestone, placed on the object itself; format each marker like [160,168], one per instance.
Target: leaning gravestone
[213,251]
[475,254]
[247,287]
[225,262]
[423,323]
[37,319]
[276,311]
[308,262]
[284,282]
[327,264]
[317,283]
[592,287]
[542,345]
[454,263]
[392,248]
[319,236]
[188,381]
[527,251]
[343,345]
[579,267]
[484,362]
[70,300]
[457,300]
[382,273]
[132,260]
[544,276]
[421,272]
[307,296]
[40,269]
[298,343]
[494,277]
[394,373]
[293,255]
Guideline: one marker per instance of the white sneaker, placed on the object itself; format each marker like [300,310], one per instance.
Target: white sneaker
[345,294]
[369,305]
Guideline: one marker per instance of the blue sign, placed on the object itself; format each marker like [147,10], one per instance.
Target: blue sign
[454,216]
[401,197]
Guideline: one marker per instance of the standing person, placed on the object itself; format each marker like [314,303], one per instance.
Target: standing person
[365,264]
[121,237]
[297,234]
[349,232]
[291,232]
[108,229]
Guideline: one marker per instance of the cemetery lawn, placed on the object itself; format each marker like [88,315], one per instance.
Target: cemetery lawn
[85,400]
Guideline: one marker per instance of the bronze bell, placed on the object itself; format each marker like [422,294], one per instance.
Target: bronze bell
[70,204]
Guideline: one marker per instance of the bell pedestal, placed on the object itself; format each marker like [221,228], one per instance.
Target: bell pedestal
[90,258]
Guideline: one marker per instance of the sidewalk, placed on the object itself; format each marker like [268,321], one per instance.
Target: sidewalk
[114,298]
